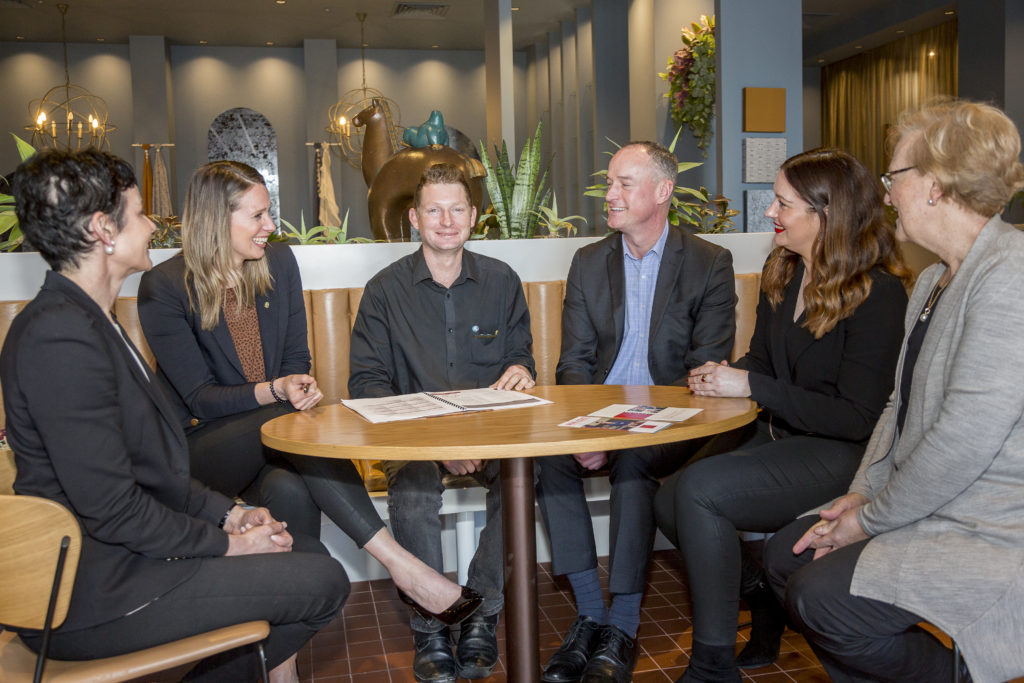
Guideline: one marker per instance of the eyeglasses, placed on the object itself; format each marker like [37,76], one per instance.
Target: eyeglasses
[887,177]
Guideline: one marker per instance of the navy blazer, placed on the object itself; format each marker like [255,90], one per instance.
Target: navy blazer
[693,318]
[200,368]
[91,431]
[835,386]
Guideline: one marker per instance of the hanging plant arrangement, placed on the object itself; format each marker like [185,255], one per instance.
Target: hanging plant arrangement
[691,81]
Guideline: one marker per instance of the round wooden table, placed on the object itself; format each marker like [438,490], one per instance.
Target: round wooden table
[515,436]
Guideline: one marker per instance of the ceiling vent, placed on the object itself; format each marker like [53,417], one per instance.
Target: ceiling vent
[420,10]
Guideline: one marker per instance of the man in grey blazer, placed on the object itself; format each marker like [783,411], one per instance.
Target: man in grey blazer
[642,306]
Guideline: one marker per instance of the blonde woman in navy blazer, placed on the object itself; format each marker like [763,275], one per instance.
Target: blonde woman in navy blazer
[228,368]
[163,557]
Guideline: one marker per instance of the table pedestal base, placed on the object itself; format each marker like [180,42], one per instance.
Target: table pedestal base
[520,537]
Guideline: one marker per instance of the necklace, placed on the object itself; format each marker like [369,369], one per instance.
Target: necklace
[936,292]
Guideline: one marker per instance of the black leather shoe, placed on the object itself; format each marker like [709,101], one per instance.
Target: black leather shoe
[477,651]
[613,660]
[433,662]
[567,664]
[468,603]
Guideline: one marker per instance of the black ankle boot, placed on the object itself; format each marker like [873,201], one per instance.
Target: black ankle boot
[711,664]
[767,623]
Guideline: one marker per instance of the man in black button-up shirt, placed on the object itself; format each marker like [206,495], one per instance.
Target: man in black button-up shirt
[444,318]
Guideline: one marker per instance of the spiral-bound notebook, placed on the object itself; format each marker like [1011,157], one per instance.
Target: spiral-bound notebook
[434,403]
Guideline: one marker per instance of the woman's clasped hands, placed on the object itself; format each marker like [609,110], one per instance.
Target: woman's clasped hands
[838,527]
[718,379]
[254,530]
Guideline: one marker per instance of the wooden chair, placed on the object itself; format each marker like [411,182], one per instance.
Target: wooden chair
[41,543]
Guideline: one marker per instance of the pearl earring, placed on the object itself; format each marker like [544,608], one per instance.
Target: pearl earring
[109,249]
[931,202]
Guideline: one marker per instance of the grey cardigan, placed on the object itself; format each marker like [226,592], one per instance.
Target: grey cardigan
[946,508]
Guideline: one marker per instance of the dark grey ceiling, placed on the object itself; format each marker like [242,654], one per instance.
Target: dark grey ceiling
[832,28]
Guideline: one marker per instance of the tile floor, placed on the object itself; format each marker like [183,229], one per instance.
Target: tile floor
[370,641]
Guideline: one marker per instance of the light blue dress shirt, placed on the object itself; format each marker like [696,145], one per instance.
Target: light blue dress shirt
[641,277]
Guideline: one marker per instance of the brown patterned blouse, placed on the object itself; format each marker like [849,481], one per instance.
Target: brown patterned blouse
[244,327]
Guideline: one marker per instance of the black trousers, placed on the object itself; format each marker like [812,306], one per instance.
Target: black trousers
[634,476]
[298,593]
[760,485]
[227,455]
[414,506]
[856,639]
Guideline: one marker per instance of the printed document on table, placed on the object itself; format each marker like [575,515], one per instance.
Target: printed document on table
[632,418]
[638,412]
[435,403]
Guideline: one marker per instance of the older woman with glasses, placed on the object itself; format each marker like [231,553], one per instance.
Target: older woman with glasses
[932,527]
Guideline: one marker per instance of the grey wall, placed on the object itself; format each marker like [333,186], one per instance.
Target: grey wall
[209,80]
[204,81]
[744,61]
[28,70]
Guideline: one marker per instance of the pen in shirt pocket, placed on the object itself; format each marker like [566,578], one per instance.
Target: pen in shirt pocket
[483,335]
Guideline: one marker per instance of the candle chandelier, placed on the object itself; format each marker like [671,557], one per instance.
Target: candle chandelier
[68,116]
[344,133]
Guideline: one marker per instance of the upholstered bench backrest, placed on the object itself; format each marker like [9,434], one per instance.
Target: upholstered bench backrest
[331,313]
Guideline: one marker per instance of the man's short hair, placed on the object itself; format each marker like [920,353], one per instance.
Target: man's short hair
[442,174]
[663,162]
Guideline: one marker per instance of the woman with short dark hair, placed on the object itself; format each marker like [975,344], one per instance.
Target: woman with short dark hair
[820,366]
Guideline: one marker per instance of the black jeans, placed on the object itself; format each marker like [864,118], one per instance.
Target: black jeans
[414,505]
[760,486]
[856,639]
[298,593]
[227,455]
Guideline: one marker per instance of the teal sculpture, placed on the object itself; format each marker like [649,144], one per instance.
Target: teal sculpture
[430,132]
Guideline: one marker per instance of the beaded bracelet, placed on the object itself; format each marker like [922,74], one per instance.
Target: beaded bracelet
[273,392]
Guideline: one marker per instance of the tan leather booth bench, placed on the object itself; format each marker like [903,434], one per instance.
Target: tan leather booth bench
[330,314]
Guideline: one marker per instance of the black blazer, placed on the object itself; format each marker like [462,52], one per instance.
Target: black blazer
[199,368]
[693,317]
[92,431]
[835,386]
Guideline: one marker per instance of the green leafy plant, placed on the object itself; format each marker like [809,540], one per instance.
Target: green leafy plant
[321,234]
[515,191]
[713,215]
[691,81]
[689,206]
[167,234]
[554,225]
[11,236]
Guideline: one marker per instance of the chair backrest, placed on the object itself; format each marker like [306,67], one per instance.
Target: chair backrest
[31,530]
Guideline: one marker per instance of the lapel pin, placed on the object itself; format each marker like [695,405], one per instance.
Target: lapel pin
[266,304]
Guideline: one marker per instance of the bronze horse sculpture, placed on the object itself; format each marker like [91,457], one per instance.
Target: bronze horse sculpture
[392,178]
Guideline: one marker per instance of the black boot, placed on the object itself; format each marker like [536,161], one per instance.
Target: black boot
[711,664]
[767,623]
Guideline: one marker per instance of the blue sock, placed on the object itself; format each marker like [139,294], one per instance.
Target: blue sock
[589,598]
[625,612]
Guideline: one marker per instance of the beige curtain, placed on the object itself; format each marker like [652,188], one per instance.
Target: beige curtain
[863,96]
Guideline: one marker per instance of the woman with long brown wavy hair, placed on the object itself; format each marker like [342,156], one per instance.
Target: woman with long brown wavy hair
[820,366]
